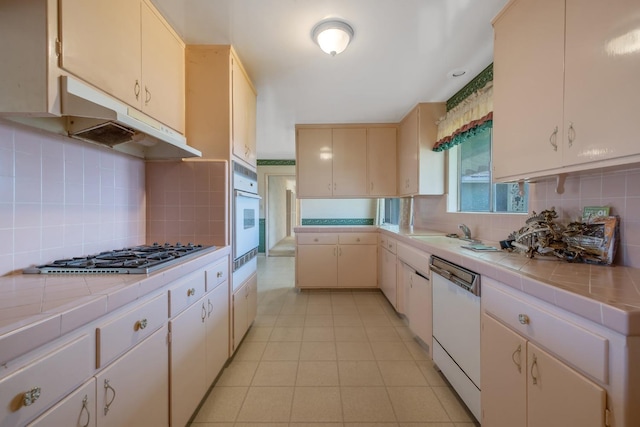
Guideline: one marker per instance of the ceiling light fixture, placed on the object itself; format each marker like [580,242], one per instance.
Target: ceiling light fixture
[333,36]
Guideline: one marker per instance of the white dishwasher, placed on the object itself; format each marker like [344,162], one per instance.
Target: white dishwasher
[456,328]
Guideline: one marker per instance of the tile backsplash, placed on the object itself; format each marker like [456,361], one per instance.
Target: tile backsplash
[62,198]
[618,189]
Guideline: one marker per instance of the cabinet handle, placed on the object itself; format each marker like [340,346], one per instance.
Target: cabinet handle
[372,186]
[108,387]
[210,307]
[140,324]
[523,319]
[518,354]
[335,186]
[315,240]
[204,312]
[329,187]
[390,245]
[334,251]
[219,274]
[571,134]
[553,139]
[85,409]
[147,95]
[136,89]
[358,239]
[340,251]
[191,292]
[30,397]
[534,366]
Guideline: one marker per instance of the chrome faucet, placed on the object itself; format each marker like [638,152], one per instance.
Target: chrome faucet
[465,230]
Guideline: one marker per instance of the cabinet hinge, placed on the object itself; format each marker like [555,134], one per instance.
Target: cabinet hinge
[607,417]
[58,48]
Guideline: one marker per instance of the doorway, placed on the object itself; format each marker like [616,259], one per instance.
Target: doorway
[281,216]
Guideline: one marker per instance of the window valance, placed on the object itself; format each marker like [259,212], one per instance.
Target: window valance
[474,114]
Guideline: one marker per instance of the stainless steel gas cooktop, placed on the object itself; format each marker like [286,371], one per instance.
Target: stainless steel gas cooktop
[135,260]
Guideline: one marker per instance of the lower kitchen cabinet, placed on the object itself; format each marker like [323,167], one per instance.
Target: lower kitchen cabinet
[245,307]
[316,266]
[217,329]
[76,410]
[387,270]
[420,312]
[357,266]
[134,390]
[524,385]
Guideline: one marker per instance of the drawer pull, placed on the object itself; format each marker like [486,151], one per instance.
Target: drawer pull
[140,324]
[534,366]
[204,312]
[219,274]
[516,357]
[523,318]
[85,409]
[108,387]
[358,239]
[31,396]
[390,245]
[191,292]
[315,240]
[210,307]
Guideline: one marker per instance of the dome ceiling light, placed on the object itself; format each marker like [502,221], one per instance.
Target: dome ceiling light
[333,36]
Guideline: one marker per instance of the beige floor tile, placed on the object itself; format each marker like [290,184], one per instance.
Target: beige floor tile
[433,377]
[275,373]
[371,425]
[222,404]
[366,404]
[319,309]
[259,425]
[250,351]
[297,308]
[344,309]
[350,333]
[427,425]
[359,373]
[290,320]
[342,298]
[237,373]
[346,319]
[270,308]
[266,404]
[366,298]
[466,424]
[318,320]
[316,404]
[455,408]
[319,298]
[281,351]
[258,333]
[194,424]
[382,333]
[417,351]
[265,320]
[397,320]
[401,373]
[404,333]
[286,334]
[375,320]
[317,373]
[390,350]
[370,309]
[416,404]
[317,350]
[354,351]
[316,425]
[318,333]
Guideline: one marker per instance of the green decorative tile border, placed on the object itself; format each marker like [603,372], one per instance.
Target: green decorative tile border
[261,234]
[337,221]
[268,162]
[478,82]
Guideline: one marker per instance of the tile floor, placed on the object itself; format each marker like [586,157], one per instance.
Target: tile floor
[328,359]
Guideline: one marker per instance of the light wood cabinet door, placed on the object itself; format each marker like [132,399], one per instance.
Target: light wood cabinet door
[134,390]
[240,315]
[187,362]
[217,329]
[381,161]
[252,299]
[602,58]
[408,154]
[314,166]
[420,309]
[316,266]
[527,118]
[388,283]
[243,100]
[349,162]
[558,396]
[503,359]
[163,71]
[356,266]
[76,410]
[101,44]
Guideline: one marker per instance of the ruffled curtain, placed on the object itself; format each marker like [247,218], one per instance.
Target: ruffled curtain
[472,116]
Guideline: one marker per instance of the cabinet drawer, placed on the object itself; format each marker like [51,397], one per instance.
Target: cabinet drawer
[415,258]
[119,335]
[317,239]
[216,274]
[54,375]
[185,292]
[389,244]
[77,409]
[567,340]
[358,239]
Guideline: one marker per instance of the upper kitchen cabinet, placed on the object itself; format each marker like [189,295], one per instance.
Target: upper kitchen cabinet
[126,49]
[221,104]
[420,169]
[579,114]
[345,161]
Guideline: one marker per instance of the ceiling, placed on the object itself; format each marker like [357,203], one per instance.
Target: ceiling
[403,52]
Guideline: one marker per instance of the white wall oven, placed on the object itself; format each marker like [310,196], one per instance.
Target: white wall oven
[246,206]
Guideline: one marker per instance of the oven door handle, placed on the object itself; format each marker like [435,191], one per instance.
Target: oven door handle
[245,194]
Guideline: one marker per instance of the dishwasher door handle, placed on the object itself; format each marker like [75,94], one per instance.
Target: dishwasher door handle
[444,273]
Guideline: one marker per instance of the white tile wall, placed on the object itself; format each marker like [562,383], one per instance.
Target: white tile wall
[60,198]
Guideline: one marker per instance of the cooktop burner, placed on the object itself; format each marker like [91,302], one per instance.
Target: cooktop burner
[135,260]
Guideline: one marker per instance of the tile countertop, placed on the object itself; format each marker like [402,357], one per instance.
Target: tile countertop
[607,295]
[37,308]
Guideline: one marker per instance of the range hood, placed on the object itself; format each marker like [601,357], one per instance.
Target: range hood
[95,117]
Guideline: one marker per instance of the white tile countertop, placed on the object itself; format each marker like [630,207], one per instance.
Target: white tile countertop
[607,295]
[37,308]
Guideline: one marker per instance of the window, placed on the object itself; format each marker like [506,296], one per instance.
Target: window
[391,211]
[470,187]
